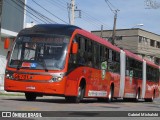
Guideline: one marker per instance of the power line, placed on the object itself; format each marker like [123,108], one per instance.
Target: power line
[98,21]
[91,23]
[38,13]
[95,19]
[49,12]
[20,10]
[58,4]
[87,17]
[110,5]
[115,11]
[20,5]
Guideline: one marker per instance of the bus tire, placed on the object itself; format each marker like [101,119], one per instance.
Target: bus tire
[79,97]
[69,98]
[137,95]
[110,96]
[30,96]
[101,99]
[150,99]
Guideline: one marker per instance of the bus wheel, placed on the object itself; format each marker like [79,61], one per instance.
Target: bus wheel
[101,99]
[110,96]
[79,97]
[69,98]
[149,99]
[30,96]
[137,96]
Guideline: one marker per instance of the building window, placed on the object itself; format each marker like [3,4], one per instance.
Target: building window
[143,40]
[140,39]
[158,44]
[157,61]
[152,43]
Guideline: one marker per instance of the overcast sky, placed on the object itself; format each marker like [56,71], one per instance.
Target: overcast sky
[96,13]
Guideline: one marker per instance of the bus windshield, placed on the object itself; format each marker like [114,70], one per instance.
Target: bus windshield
[39,51]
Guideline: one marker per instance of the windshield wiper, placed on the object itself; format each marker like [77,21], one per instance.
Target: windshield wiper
[20,62]
[44,64]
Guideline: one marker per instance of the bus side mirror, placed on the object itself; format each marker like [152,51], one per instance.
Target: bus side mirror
[74,48]
[6,43]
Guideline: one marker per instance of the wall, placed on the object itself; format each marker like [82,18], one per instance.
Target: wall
[12,15]
[2,72]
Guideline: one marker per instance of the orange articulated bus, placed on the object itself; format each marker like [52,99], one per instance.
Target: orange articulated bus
[65,60]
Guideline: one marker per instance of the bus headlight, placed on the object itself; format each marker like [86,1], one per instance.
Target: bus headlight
[9,76]
[56,79]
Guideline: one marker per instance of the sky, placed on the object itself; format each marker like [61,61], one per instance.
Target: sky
[95,13]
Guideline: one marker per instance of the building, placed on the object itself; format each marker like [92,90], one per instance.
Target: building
[12,20]
[144,43]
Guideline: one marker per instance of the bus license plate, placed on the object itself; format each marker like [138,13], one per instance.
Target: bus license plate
[21,76]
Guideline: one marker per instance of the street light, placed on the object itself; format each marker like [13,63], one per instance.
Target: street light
[138,25]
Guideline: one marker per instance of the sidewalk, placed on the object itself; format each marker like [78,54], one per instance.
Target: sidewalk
[11,93]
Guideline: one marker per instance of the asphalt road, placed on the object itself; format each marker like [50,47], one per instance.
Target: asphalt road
[89,109]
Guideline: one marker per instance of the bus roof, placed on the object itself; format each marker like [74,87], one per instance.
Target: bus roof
[151,63]
[65,29]
[62,29]
[97,39]
[132,55]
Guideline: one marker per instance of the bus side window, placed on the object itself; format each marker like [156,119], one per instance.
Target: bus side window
[106,54]
[96,55]
[73,57]
[79,42]
[89,52]
[81,53]
[110,60]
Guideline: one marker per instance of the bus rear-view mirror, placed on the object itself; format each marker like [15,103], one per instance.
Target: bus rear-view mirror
[6,43]
[75,48]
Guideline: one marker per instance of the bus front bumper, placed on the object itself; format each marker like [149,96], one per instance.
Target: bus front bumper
[36,87]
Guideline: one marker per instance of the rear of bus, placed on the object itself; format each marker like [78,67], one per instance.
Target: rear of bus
[37,63]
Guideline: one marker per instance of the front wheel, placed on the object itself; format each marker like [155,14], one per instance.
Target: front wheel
[30,96]
[78,98]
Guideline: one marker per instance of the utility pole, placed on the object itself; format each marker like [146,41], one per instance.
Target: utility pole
[72,11]
[101,31]
[114,26]
[115,11]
